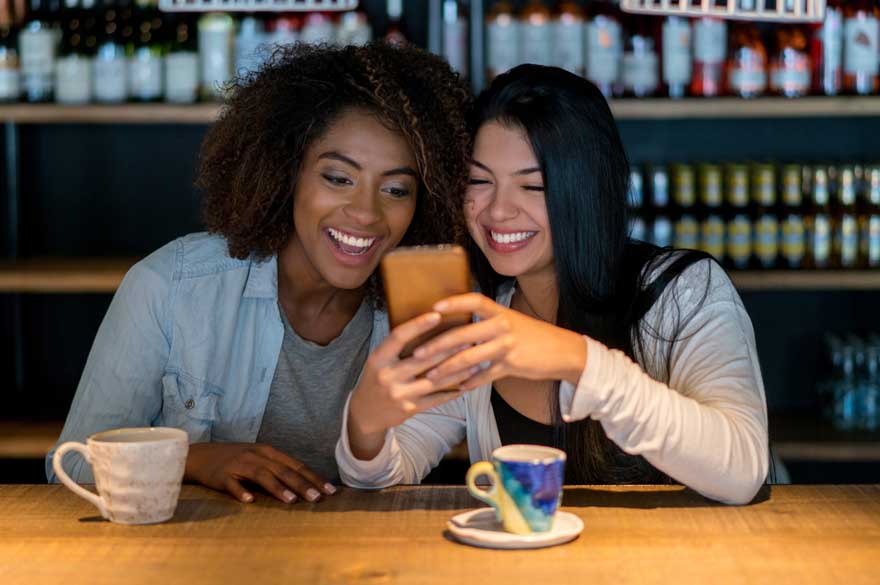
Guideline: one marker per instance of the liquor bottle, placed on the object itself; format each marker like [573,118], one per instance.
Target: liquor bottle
[73,68]
[250,41]
[827,51]
[640,66]
[354,29]
[110,67]
[747,61]
[318,29]
[455,36]
[677,61]
[818,221]
[844,225]
[739,222]
[604,46]
[10,74]
[283,30]
[869,220]
[569,37]
[793,244]
[502,39]
[659,217]
[635,206]
[38,47]
[790,67]
[766,226]
[182,62]
[712,225]
[535,33]
[394,31]
[860,47]
[145,82]
[710,53]
[216,38]
[687,225]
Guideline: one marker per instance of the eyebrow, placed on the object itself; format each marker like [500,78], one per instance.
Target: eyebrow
[519,173]
[332,155]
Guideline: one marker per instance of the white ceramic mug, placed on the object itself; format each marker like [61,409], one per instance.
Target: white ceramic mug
[138,472]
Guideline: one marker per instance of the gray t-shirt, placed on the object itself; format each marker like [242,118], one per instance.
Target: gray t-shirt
[303,415]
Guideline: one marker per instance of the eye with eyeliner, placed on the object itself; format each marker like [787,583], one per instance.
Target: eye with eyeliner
[337,180]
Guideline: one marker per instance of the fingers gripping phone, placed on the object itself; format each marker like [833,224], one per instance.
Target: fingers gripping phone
[416,277]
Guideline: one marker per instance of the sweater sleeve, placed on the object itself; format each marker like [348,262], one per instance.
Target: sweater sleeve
[410,451]
[707,428]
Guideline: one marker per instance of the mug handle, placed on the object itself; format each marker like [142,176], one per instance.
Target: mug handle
[82,492]
[489,496]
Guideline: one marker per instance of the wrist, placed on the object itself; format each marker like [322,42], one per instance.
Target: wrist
[573,358]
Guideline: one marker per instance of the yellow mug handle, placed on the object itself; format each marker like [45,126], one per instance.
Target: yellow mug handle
[505,508]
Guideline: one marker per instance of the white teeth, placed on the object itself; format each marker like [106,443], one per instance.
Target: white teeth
[511,238]
[351,240]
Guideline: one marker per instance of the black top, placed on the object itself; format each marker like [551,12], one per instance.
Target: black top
[516,428]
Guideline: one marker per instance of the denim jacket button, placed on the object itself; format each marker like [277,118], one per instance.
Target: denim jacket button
[189,404]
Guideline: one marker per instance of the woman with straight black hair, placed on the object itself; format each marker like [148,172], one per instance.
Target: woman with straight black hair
[639,362]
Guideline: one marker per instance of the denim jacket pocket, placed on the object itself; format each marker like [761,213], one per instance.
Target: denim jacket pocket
[189,404]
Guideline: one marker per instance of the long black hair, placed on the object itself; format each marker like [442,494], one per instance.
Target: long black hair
[606,282]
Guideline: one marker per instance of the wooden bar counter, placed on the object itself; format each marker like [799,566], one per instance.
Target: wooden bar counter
[668,535]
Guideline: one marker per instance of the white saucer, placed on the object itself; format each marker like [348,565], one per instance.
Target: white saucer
[481,528]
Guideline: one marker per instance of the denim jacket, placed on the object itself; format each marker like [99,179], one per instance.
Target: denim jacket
[191,340]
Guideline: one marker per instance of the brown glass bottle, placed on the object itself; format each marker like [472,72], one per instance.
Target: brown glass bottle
[844,226]
[568,40]
[502,40]
[793,236]
[640,69]
[765,239]
[684,197]
[747,59]
[869,220]
[711,213]
[817,221]
[739,222]
[536,33]
[790,67]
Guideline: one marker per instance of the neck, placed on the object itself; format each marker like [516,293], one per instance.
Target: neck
[540,294]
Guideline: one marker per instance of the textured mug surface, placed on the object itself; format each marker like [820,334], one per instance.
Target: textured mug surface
[138,472]
[526,486]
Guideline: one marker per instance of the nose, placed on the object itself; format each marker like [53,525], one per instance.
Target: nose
[503,206]
[364,208]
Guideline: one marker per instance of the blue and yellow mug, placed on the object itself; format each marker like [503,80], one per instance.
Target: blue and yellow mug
[526,486]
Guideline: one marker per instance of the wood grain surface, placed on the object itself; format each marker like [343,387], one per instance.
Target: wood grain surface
[668,535]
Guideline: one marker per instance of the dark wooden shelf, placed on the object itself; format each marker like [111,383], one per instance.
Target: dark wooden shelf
[757,280]
[110,114]
[806,438]
[28,440]
[62,275]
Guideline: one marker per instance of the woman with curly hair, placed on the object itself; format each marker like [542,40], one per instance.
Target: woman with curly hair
[250,337]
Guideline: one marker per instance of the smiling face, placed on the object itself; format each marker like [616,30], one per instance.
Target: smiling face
[354,199]
[505,207]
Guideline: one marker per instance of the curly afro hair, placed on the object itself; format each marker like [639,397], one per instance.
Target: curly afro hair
[251,156]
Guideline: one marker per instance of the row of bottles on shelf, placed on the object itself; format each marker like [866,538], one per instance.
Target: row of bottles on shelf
[762,216]
[113,51]
[851,394]
[641,56]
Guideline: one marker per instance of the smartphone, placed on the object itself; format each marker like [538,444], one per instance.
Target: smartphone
[416,277]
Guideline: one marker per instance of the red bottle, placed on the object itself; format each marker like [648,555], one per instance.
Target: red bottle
[710,53]
[747,60]
[790,68]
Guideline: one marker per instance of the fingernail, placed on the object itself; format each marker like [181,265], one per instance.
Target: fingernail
[289,496]
[247,498]
[312,495]
[475,370]
[433,317]
[420,352]
[441,306]
[329,488]
[431,375]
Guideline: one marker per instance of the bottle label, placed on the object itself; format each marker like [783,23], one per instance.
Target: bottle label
[820,240]
[791,188]
[637,229]
[73,80]
[10,84]
[502,39]
[846,241]
[712,236]
[110,75]
[687,232]
[145,76]
[536,41]
[568,46]
[455,45]
[739,240]
[860,45]
[662,232]
[793,240]
[710,41]
[767,240]
[182,77]
[870,240]
[640,72]
[604,50]
[748,75]
[712,193]
[215,50]
[677,65]
[792,73]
